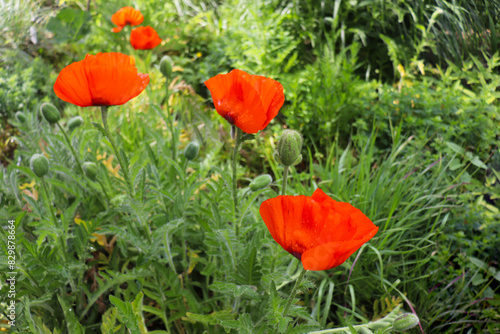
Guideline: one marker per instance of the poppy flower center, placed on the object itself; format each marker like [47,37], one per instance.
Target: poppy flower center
[228,117]
[100,101]
[297,255]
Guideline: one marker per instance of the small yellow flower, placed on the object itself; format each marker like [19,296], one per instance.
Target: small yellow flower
[27,185]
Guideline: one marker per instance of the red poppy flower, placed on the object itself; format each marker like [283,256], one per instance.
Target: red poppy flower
[106,79]
[144,38]
[248,101]
[317,230]
[124,16]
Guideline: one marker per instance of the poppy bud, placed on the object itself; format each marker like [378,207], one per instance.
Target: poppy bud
[90,170]
[21,118]
[289,147]
[191,150]
[405,322]
[74,123]
[50,113]
[261,182]
[166,66]
[39,165]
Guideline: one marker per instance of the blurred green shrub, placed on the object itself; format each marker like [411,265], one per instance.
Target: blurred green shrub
[69,25]
[22,87]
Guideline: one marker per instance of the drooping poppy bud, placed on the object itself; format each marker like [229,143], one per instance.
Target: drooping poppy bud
[50,113]
[289,148]
[166,66]
[261,182]
[39,165]
[90,170]
[405,322]
[21,118]
[75,122]
[191,150]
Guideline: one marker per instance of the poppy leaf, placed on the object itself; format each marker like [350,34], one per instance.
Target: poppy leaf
[99,127]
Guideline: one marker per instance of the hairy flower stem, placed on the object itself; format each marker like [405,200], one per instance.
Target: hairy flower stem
[104,114]
[108,200]
[51,209]
[285,179]
[70,146]
[234,188]
[294,291]
[171,124]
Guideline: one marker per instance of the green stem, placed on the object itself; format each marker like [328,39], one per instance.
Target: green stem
[294,291]
[70,146]
[285,179]
[108,200]
[171,124]
[51,209]
[104,114]
[234,188]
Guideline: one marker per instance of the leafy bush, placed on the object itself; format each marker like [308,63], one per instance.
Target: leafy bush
[23,87]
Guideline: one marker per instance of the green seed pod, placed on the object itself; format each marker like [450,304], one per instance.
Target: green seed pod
[50,113]
[289,147]
[74,122]
[39,165]
[191,150]
[261,182]
[405,322]
[21,118]
[90,170]
[166,66]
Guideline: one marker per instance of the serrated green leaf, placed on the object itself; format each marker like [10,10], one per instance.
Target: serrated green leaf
[99,127]
[109,321]
[243,325]
[71,322]
[213,318]
[130,313]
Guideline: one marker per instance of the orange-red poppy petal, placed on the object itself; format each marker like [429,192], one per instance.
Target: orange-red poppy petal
[72,85]
[101,80]
[126,16]
[248,101]
[320,231]
[144,38]
[333,254]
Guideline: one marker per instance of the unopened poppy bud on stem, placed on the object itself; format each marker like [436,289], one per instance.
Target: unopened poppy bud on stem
[191,150]
[90,170]
[50,113]
[166,66]
[75,122]
[39,165]
[289,148]
[261,182]
[405,322]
